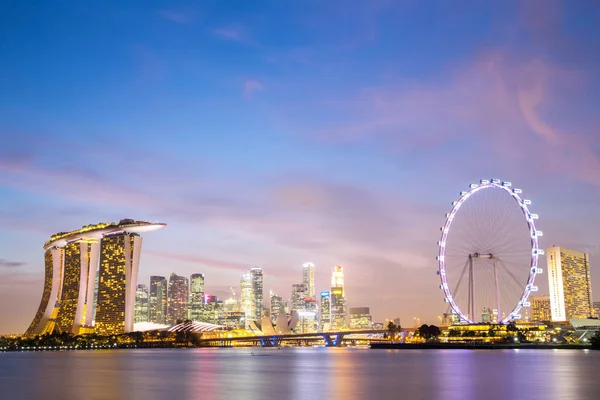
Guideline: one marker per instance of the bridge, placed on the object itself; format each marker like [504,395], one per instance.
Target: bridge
[331,339]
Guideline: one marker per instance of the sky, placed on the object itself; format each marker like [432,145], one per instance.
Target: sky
[272,133]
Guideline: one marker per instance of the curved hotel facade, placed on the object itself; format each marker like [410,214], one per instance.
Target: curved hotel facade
[72,260]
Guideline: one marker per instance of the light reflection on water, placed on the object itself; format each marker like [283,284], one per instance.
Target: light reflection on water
[303,373]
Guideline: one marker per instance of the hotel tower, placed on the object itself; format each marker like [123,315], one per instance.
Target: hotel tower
[569,284]
[71,261]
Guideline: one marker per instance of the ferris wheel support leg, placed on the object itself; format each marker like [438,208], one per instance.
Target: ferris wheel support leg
[496,284]
[471,291]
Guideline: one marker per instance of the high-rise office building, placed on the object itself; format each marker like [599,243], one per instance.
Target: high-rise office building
[177,304]
[140,311]
[309,278]
[71,262]
[257,292]
[213,310]
[540,308]
[569,284]
[339,308]
[276,307]
[141,304]
[247,298]
[196,296]
[360,318]
[299,294]
[325,312]
[157,300]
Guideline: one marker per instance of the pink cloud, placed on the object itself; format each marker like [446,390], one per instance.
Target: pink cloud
[177,16]
[496,103]
[198,260]
[234,34]
[251,86]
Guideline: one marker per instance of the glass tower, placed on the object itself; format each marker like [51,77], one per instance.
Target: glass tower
[257,292]
[141,304]
[339,309]
[325,312]
[247,301]
[196,296]
[157,300]
[309,278]
[177,306]
[276,306]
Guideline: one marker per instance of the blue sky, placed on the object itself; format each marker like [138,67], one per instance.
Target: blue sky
[271,133]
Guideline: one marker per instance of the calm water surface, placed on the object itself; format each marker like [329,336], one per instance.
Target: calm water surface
[304,373]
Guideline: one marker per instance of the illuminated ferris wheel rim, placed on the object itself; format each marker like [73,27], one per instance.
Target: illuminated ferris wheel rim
[535,250]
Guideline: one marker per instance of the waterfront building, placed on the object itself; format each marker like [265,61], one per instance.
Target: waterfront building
[325,312]
[141,304]
[157,300]
[299,294]
[119,261]
[339,310]
[231,305]
[308,317]
[337,278]
[298,304]
[308,274]
[596,306]
[177,304]
[257,292]
[233,320]
[213,310]
[196,296]
[569,284]
[540,308]
[360,318]
[276,306]
[247,300]
[70,299]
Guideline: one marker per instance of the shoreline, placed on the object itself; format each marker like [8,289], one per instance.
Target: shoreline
[477,346]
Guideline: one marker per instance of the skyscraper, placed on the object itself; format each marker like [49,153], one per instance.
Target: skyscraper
[141,304]
[540,308]
[71,262]
[339,309]
[569,282]
[177,304]
[257,292]
[247,299]
[276,306]
[299,294]
[337,278]
[325,312]
[309,278]
[157,300]
[196,296]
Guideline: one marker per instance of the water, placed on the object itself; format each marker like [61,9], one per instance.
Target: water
[301,373]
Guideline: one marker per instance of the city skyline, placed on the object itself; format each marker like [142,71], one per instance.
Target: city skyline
[267,137]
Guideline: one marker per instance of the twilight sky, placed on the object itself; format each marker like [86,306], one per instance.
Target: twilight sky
[271,133]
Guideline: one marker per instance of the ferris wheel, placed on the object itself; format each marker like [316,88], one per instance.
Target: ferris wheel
[488,253]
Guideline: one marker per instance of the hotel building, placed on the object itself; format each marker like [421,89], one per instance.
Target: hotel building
[569,284]
[71,261]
